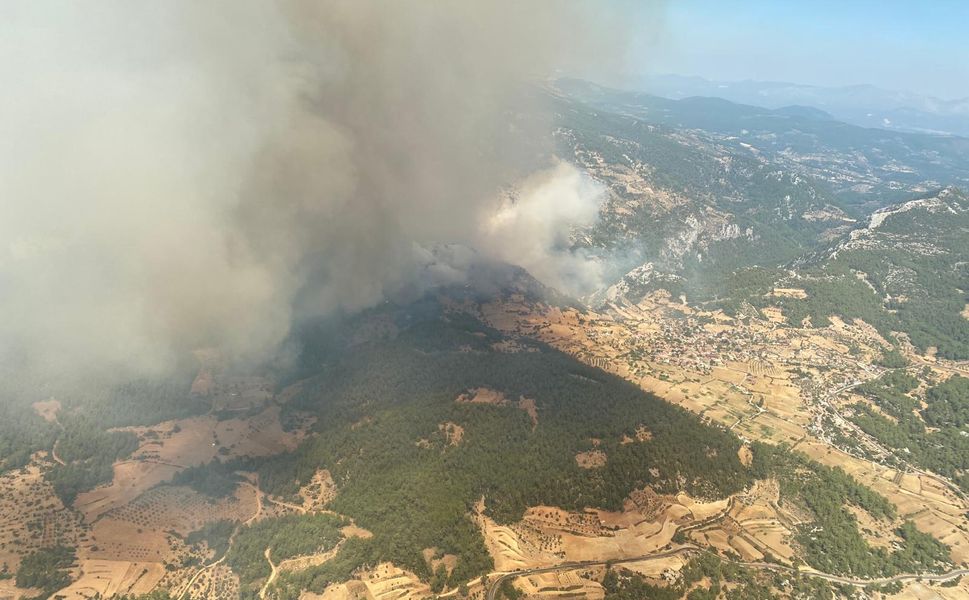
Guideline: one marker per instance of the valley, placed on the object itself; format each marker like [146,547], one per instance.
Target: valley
[766,398]
[785,386]
[779,386]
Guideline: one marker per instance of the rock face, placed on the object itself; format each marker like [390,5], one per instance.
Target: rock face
[720,203]
[919,226]
[913,257]
[683,206]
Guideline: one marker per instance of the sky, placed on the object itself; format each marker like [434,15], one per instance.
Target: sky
[911,46]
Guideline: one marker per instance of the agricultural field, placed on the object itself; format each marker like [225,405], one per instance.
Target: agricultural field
[510,398]
[766,381]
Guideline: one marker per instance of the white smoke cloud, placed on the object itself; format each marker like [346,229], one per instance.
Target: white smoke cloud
[184,174]
[534,227]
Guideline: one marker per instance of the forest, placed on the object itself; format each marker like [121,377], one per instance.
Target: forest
[379,407]
[80,436]
[894,288]
[944,449]
[215,534]
[89,407]
[46,569]
[212,480]
[948,403]
[704,578]
[376,402]
[832,542]
[286,537]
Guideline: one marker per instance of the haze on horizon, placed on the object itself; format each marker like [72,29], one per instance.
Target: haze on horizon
[918,47]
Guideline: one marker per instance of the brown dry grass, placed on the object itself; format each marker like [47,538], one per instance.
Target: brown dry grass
[10,591]
[109,578]
[180,509]
[32,516]
[548,535]
[171,446]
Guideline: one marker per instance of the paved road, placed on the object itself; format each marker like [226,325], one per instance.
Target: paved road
[859,582]
[874,445]
[954,574]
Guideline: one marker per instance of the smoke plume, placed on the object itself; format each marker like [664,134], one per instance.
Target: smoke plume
[183,174]
[534,227]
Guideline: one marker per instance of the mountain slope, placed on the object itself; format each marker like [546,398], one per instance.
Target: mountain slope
[684,206]
[863,166]
[864,105]
[906,269]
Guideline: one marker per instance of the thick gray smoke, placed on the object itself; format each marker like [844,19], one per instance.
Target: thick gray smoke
[182,174]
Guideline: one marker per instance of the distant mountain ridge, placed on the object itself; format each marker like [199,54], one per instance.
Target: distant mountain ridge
[865,167]
[722,202]
[864,105]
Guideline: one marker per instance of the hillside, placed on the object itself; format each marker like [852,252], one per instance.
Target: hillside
[904,269]
[764,402]
[440,430]
[700,209]
[864,105]
[861,166]
[691,208]
[425,449]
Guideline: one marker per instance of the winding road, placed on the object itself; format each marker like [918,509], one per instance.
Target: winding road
[688,548]
[204,568]
[569,566]
[876,448]
[274,571]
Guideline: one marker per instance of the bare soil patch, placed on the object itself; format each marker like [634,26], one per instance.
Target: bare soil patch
[745,455]
[319,491]
[877,532]
[495,398]
[798,293]
[592,459]
[47,409]
[452,432]
[356,531]
[482,396]
[434,558]
[528,405]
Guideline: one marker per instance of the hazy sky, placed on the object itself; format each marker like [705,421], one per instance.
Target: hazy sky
[920,46]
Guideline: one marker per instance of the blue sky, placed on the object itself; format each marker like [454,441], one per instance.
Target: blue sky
[920,46]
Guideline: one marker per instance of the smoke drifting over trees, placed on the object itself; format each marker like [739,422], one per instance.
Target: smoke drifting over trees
[180,175]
